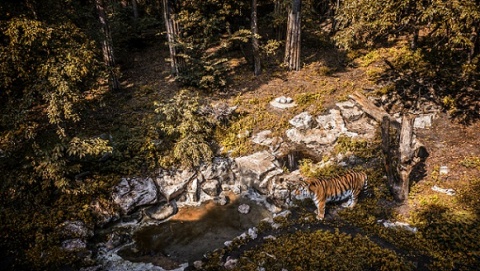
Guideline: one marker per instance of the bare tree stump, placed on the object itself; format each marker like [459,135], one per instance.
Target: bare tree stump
[399,161]
[388,153]
[406,157]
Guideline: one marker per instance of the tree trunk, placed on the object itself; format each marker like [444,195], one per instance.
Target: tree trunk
[135,10]
[172,29]
[389,161]
[334,20]
[257,70]
[399,163]
[406,158]
[107,44]
[400,157]
[279,28]
[292,44]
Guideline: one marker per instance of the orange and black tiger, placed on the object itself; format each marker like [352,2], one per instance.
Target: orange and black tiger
[348,186]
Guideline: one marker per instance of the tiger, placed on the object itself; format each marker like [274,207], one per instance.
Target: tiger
[348,186]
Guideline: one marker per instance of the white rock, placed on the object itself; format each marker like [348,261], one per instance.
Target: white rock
[134,192]
[253,233]
[302,121]
[448,191]
[396,224]
[350,111]
[244,208]
[423,121]
[443,170]
[230,263]
[74,244]
[282,102]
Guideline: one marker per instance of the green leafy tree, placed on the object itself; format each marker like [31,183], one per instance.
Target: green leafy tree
[441,61]
[185,131]
[48,60]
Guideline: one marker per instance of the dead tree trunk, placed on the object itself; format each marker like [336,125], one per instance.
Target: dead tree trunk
[107,45]
[292,44]
[406,158]
[388,154]
[172,30]
[400,156]
[255,44]
[400,162]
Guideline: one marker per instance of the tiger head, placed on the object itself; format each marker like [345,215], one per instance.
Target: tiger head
[300,189]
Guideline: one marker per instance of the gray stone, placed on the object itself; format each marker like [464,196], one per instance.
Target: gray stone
[423,121]
[74,244]
[397,224]
[230,263]
[303,121]
[443,170]
[162,211]
[311,138]
[350,111]
[211,187]
[244,208]
[76,229]
[364,127]
[283,102]
[447,191]
[173,183]
[220,169]
[134,192]
[192,191]
[332,121]
[221,200]
[252,169]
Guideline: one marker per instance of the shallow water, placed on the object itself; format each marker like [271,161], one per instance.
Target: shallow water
[195,231]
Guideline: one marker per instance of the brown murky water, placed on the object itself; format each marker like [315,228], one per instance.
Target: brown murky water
[194,231]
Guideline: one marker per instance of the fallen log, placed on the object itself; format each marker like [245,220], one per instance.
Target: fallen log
[372,110]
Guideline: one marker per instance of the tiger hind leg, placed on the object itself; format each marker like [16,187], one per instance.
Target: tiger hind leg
[352,201]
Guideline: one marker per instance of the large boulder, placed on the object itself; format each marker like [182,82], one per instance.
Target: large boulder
[257,170]
[162,211]
[131,193]
[174,183]
[220,169]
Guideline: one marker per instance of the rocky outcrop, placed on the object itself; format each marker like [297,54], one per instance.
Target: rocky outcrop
[262,171]
[259,176]
[134,192]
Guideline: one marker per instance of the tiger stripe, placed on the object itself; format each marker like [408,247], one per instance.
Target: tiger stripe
[348,186]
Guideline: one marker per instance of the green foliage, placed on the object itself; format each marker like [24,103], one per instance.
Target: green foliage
[321,250]
[359,147]
[206,34]
[185,130]
[471,162]
[319,170]
[236,137]
[314,99]
[205,72]
[441,61]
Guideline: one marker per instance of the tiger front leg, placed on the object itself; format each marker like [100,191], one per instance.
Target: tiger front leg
[320,209]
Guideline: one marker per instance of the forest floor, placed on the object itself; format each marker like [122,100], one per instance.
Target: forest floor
[450,145]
